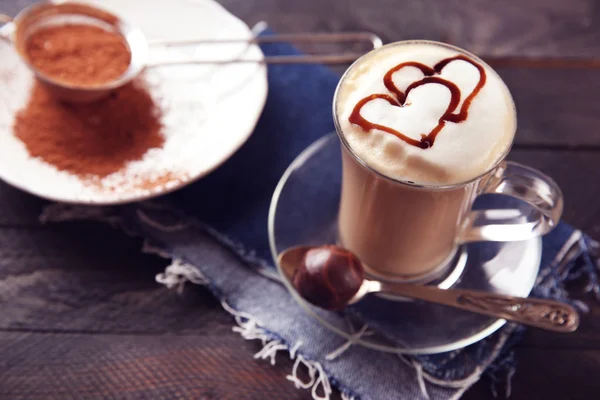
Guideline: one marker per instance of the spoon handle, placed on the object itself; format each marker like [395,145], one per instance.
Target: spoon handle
[545,314]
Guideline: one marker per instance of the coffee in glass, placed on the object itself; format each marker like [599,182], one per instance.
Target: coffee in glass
[425,128]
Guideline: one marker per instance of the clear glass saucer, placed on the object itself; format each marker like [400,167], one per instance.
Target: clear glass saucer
[304,211]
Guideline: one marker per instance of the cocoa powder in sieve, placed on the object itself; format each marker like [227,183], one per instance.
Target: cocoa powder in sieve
[78,54]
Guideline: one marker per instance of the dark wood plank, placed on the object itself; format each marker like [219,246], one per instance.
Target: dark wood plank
[90,278]
[18,208]
[576,174]
[83,316]
[79,366]
[527,28]
[555,106]
[548,374]
[168,359]
[67,296]
[505,28]
[65,366]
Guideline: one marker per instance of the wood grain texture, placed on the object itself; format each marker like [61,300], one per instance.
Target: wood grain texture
[81,321]
[576,174]
[82,317]
[525,28]
[18,208]
[544,374]
[61,279]
[555,106]
[79,366]
[500,28]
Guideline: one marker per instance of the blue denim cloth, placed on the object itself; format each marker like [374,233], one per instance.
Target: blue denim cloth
[203,223]
[266,311]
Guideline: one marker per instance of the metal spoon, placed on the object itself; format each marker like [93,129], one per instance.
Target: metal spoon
[332,278]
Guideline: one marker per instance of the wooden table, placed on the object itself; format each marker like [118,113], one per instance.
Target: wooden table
[82,317]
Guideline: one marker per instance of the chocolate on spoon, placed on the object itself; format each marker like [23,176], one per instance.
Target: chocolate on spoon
[332,278]
[328,277]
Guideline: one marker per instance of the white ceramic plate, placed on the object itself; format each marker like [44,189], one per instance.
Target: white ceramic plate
[209,111]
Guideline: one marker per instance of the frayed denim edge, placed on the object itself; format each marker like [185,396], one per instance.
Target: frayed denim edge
[180,271]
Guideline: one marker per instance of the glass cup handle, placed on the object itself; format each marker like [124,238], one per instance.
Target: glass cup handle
[530,185]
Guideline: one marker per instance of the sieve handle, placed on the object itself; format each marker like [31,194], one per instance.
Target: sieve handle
[339,58]
[6,27]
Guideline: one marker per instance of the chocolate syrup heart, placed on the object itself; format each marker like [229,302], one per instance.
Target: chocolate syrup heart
[427,140]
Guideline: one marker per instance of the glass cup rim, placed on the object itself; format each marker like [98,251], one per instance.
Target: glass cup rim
[415,185]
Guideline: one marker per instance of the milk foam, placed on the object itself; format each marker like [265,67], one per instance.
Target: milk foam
[462,151]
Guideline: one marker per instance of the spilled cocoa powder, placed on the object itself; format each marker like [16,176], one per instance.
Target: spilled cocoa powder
[165,180]
[90,140]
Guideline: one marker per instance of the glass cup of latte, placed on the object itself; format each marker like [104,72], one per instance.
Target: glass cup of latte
[425,128]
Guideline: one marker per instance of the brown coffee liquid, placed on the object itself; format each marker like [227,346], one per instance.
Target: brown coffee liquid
[427,140]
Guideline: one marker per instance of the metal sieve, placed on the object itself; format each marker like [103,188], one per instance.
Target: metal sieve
[56,12]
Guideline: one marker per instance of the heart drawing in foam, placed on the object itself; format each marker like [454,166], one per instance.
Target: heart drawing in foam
[399,99]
